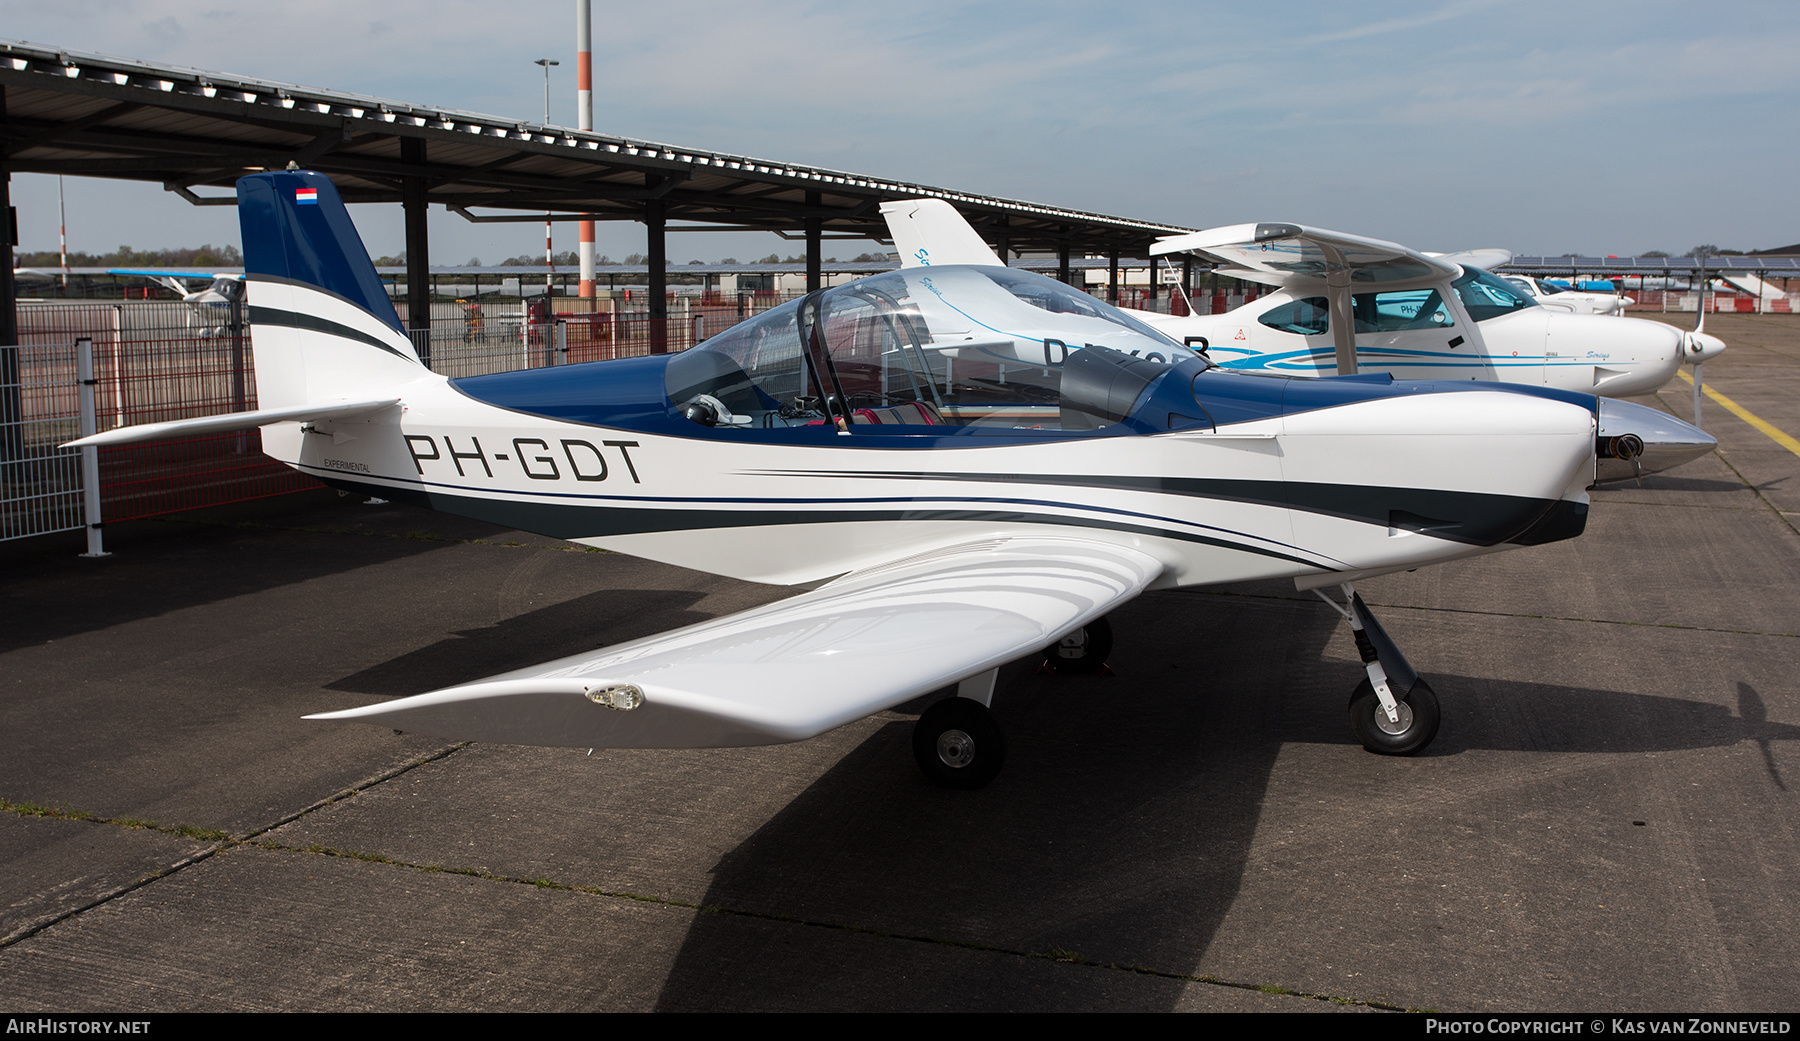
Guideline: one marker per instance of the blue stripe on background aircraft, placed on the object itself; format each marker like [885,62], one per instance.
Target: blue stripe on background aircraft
[1344,305]
[962,465]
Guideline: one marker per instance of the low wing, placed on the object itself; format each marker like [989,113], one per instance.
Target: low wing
[232,421]
[930,231]
[1292,253]
[790,670]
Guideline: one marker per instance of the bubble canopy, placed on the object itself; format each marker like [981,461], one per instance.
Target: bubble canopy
[932,346]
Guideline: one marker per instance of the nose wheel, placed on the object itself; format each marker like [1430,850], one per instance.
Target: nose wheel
[1392,711]
[957,744]
[1417,725]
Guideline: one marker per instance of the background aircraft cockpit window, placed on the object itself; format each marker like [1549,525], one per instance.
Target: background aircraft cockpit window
[1486,296]
[1308,317]
[1401,310]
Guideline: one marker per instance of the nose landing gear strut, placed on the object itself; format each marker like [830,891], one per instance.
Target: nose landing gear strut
[1393,711]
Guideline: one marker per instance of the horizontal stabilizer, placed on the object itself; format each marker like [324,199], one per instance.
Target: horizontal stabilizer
[232,421]
[930,231]
[1293,253]
[789,670]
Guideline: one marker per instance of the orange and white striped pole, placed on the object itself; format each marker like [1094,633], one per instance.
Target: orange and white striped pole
[584,120]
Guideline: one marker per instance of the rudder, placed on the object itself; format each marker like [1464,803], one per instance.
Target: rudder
[322,324]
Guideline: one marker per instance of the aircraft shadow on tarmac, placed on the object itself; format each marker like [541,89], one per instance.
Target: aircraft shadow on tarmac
[182,567]
[1120,827]
[582,624]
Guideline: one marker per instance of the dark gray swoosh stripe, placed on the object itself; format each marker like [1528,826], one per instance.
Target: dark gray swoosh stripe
[297,320]
[1475,518]
[568,521]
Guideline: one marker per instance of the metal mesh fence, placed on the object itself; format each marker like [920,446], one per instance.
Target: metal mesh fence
[478,343]
[40,484]
[157,361]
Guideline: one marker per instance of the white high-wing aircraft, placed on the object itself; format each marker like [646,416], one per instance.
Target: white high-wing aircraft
[1433,316]
[963,465]
[1550,295]
[1346,304]
[1553,297]
[209,307]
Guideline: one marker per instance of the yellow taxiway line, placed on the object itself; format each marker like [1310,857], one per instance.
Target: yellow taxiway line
[1775,433]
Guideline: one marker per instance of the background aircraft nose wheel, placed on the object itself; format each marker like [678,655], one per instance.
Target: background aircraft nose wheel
[1082,651]
[1417,726]
[958,744]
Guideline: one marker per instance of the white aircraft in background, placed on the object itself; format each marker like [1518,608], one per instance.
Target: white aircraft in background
[1345,304]
[1554,297]
[963,465]
[1417,317]
[209,307]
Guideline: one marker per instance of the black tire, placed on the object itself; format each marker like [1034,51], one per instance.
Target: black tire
[1419,719]
[1083,651]
[958,745]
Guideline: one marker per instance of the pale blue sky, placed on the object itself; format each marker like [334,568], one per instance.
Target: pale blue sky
[1539,127]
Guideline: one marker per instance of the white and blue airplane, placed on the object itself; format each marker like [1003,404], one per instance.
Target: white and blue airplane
[209,307]
[1553,296]
[961,466]
[1344,305]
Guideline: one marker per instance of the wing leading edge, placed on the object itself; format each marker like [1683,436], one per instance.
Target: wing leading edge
[794,669]
[1286,253]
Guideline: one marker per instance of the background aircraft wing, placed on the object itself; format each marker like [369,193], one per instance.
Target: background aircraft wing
[1284,253]
[784,672]
[207,276]
[1486,259]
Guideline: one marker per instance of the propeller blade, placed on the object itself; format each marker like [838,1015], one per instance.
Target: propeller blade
[1700,322]
[1699,376]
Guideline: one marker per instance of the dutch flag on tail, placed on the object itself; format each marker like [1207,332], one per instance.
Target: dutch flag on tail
[306,197]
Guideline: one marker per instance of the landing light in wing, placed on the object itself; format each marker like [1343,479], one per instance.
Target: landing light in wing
[622,696]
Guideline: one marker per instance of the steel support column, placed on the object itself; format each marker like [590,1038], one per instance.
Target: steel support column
[815,228]
[1112,278]
[11,402]
[418,248]
[1062,263]
[656,224]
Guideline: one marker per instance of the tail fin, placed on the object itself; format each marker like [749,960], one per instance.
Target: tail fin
[323,325]
[930,231]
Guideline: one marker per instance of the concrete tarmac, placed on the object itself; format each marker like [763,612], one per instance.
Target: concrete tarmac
[1606,821]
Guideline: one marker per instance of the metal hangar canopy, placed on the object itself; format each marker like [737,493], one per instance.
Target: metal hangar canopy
[91,115]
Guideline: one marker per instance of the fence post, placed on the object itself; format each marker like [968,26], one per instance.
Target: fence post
[699,329]
[90,456]
[239,398]
[561,357]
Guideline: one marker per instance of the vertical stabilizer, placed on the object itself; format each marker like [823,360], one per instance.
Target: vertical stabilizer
[322,325]
[930,231]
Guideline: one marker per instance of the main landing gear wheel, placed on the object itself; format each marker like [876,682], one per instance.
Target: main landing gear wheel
[958,744]
[1083,651]
[1418,722]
